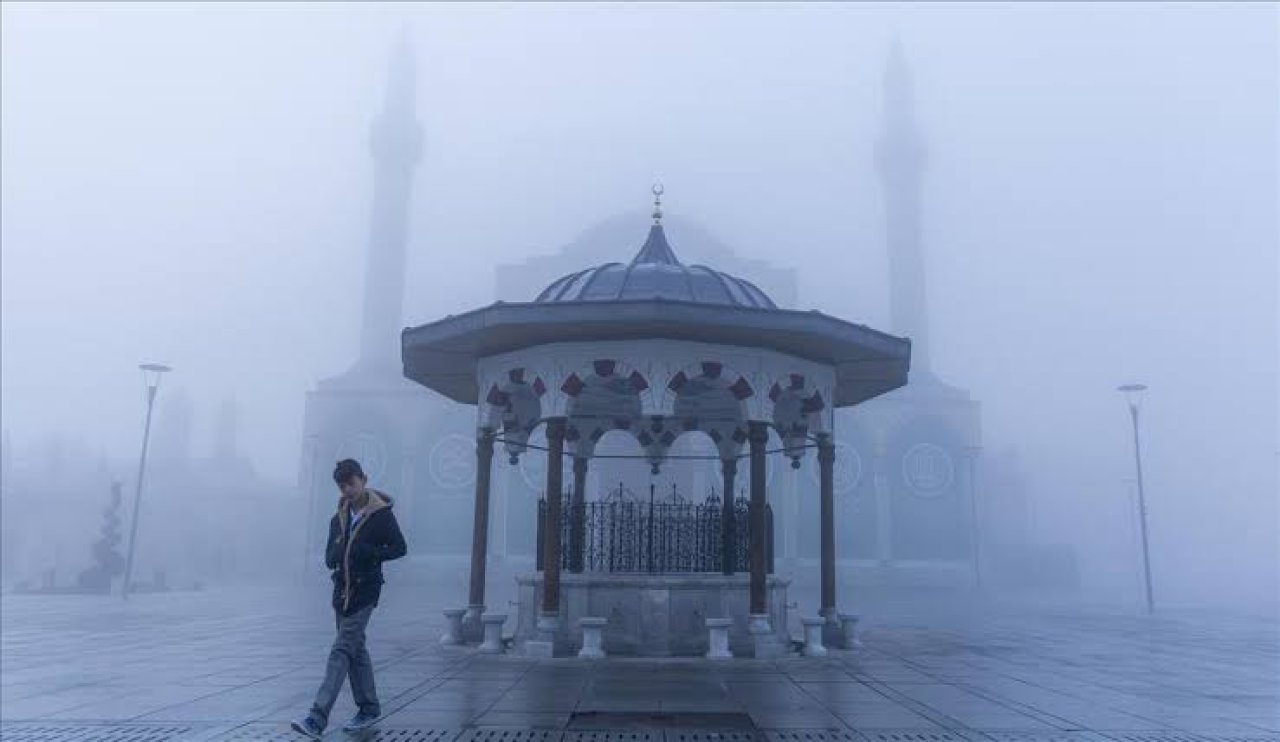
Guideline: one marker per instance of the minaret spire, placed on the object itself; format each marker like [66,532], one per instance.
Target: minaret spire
[900,157]
[656,249]
[396,146]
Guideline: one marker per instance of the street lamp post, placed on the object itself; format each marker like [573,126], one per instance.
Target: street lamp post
[308,491]
[1133,395]
[151,377]
[972,453]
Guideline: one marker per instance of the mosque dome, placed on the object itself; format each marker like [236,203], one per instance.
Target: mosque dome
[655,273]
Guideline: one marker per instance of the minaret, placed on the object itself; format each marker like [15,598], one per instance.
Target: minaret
[900,157]
[225,432]
[396,146]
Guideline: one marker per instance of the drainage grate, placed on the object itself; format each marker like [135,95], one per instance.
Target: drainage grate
[1260,737]
[681,722]
[912,735]
[1041,736]
[613,735]
[508,734]
[410,735]
[706,735]
[282,733]
[813,735]
[260,733]
[1159,737]
[96,732]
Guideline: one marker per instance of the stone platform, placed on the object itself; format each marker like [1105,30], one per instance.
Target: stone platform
[651,615]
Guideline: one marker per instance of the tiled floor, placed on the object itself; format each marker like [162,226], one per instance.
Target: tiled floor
[238,664]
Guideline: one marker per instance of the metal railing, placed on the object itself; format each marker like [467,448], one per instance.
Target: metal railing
[621,533]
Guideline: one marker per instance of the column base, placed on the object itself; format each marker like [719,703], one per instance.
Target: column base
[544,643]
[764,641]
[472,627]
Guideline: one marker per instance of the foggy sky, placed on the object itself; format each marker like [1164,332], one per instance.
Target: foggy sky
[191,184]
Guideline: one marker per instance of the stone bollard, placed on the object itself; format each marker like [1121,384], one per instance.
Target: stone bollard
[719,640]
[492,633]
[592,644]
[849,628]
[453,629]
[813,636]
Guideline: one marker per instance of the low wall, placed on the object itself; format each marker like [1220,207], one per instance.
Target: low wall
[651,615]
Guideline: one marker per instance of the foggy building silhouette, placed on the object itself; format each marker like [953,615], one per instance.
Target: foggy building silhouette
[909,500]
[906,481]
[403,437]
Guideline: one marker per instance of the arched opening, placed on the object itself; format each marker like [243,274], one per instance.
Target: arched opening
[618,462]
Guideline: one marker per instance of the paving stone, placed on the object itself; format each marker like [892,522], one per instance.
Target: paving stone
[950,672]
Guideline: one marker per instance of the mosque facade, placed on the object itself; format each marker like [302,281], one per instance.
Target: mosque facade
[906,490]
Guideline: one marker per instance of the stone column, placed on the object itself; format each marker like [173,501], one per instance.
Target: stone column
[826,478]
[578,534]
[503,517]
[884,517]
[728,523]
[551,539]
[758,436]
[472,629]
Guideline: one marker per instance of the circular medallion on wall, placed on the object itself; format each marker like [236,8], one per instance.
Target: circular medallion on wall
[533,470]
[368,450]
[847,470]
[452,462]
[928,470]
[742,480]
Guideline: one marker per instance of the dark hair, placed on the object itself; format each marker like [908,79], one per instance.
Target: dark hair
[346,469]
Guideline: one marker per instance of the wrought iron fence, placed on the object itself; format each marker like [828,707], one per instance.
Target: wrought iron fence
[621,533]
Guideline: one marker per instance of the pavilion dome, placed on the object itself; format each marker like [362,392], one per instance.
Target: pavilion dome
[655,273]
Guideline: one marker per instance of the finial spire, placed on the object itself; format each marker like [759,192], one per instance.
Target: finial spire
[655,248]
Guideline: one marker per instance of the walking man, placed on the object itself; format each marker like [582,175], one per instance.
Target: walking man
[362,535]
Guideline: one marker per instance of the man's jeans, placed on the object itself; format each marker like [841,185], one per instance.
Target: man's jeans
[348,659]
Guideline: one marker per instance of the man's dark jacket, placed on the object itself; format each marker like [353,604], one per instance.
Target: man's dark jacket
[356,558]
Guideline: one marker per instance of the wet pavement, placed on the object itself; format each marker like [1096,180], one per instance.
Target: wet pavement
[237,664]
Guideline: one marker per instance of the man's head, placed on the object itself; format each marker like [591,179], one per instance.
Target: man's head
[350,478]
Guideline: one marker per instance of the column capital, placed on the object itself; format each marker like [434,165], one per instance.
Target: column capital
[556,428]
[826,448]
[580,464]
[757,432]
[729,466]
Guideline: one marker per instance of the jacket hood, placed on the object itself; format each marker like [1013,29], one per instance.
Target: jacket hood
[377,501]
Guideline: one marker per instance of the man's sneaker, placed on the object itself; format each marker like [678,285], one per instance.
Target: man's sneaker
[360,722]
[307,725]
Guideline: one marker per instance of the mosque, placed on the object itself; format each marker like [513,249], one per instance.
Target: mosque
[904,491]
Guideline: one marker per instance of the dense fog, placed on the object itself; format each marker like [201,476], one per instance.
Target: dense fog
[192,185]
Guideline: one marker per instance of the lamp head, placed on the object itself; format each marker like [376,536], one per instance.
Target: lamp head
[151,373]
[1133,393]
